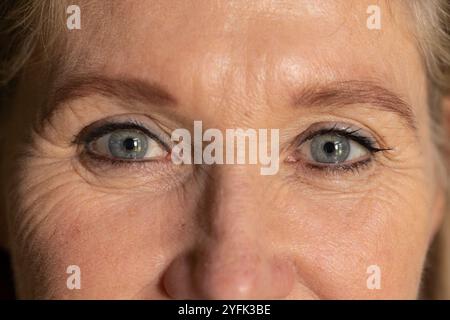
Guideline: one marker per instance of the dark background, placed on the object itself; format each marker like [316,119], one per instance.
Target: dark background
[6,279]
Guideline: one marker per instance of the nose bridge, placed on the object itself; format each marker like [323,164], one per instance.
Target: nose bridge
[234,222]
[230,205]
[232,256]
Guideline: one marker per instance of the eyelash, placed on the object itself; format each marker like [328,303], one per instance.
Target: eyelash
[366,142]
[87,136]
[349,133]
[354,168]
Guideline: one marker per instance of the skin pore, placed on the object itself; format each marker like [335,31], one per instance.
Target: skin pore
[156,230]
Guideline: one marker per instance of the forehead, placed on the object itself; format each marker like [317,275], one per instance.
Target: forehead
[232,43]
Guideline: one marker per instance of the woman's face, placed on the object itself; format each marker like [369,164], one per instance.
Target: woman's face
[354,201]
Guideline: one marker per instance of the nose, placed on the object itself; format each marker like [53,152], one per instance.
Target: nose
[228,272]
[233,257]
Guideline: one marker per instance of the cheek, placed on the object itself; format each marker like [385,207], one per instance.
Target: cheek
[120,242]
[336,238]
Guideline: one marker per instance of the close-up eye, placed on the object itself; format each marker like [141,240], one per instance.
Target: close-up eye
[337,147]
[334,149]
[124,142]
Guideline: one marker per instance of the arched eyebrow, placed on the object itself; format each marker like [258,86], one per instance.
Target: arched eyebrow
[354,92]
[332,94]
[124,89]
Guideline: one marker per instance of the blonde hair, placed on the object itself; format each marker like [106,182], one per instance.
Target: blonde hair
[26,25]
[30,26]
[432,22]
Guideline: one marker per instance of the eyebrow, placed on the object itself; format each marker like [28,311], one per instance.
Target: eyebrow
[123,89]
[127,89]
[332,94]
[353,92]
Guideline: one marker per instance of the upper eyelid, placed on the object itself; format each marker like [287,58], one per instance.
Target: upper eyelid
[346,133]
[309,133]
[92,134]
[350,131]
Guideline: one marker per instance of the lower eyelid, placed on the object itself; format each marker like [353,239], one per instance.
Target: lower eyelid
[330,166]
[335,170]
[97,163]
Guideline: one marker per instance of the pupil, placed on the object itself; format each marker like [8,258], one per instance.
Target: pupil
[130,144]
[329,147]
